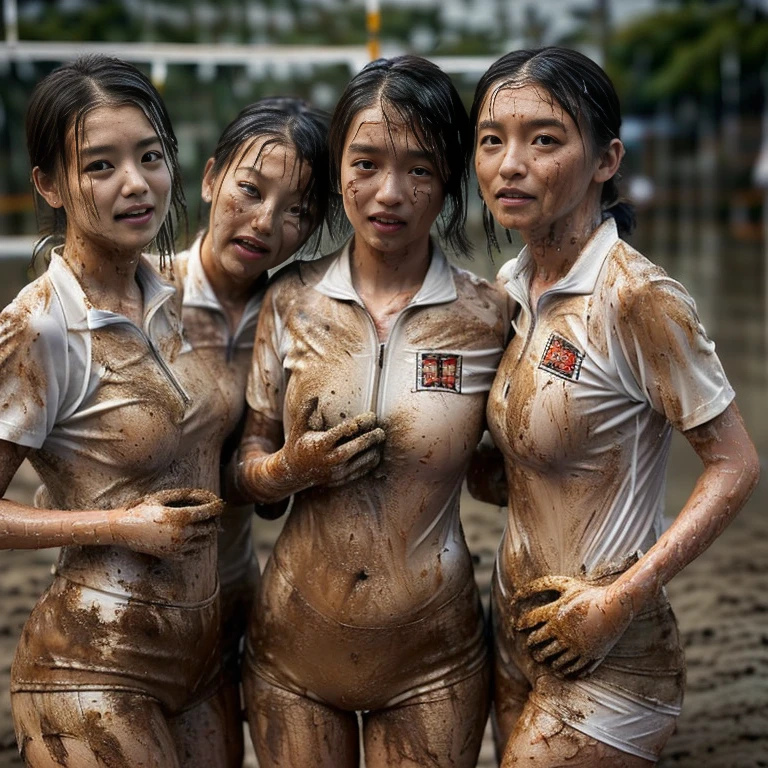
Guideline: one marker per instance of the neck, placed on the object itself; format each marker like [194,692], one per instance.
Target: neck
[554,249]
[107,276]
[383,273]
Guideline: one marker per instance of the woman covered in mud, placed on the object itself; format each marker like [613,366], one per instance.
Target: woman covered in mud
[608,357]
[118,663]
[367,397]
[267,186]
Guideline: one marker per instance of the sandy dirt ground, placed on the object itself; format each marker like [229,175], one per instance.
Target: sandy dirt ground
[721,601]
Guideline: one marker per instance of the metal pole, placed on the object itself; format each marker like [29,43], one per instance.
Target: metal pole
[373,25]
[11,19]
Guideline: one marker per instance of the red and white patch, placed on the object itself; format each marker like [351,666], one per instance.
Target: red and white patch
[562,358]
[438,371]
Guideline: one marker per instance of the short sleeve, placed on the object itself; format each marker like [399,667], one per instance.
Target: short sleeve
[671,358]
[266,380]
[33,365]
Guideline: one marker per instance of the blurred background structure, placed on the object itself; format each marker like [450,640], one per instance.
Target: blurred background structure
[693,79]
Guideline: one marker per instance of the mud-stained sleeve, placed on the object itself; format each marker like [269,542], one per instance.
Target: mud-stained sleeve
[33,368]
[266,379]
[671,358]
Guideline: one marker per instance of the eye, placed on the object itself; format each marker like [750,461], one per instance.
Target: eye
[421,172]
[97,166]
[545,140]
[250,189]
[364,165]
[153,156]
[297,210]
[490,140]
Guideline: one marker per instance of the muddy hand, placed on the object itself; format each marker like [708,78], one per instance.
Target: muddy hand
[571,624]
[333,456]
[168,523]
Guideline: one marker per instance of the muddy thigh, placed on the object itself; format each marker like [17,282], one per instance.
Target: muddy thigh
[92,729]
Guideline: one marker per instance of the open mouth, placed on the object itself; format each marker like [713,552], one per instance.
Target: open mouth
[138,213]
[256,249]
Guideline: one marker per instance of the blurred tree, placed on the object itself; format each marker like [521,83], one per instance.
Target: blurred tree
[688,51]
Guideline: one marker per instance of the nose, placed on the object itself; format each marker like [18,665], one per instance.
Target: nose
[513,162]
[390,191]
[134,182]
[263,219]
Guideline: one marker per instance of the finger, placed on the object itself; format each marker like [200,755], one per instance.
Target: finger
[303,416]
[346,452]
[357,467]
[564,660]
[534,618]
[577,667]
[544,653]
[540,635]
[351,428]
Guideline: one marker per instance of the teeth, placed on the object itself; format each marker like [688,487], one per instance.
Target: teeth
[137,213]
[387,221]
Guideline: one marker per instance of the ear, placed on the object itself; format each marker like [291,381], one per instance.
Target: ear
[208,181]
[609,161]
[48,187]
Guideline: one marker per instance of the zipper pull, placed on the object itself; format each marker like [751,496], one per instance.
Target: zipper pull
[381,355]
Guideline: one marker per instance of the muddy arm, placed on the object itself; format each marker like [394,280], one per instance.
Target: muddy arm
[486,480]
[160,525]
[731,471]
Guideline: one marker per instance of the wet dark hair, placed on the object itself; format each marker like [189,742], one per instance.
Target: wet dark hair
[418,93]
[289,122]
[583,90]
[57,110]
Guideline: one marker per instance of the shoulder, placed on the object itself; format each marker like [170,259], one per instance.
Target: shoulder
[477,291]
[37,309]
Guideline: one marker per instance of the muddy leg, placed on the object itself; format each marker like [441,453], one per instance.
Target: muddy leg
[510,692]
[447,733]
[541,740]
[291,730]
[92,729]
[208,735]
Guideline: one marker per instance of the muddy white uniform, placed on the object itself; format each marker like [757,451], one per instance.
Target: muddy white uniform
[583,406]
[227,356]
[112,413]
[369,599]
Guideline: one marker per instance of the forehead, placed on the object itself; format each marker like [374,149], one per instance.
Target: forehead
[107,124]
[379,125]
[519,102]
[273,159]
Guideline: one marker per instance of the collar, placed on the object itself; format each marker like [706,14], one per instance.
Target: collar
[581,278]
[438,286]
[199,293]
[78,311]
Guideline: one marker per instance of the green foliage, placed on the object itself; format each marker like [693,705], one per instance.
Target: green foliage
[680,52]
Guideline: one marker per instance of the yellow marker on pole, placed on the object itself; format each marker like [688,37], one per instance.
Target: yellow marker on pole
[373,25]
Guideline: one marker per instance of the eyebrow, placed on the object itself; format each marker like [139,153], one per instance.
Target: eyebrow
[541,122]
[101,149]
[371,149]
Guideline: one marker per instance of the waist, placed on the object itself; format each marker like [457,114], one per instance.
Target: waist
[188,580]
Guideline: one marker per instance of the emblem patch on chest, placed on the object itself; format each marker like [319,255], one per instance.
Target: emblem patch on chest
[561,358]
[438,371]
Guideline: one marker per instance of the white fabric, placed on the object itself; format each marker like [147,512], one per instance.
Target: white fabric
[647,366]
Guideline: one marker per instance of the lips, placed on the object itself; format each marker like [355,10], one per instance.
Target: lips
[250,247]
[508,193]
[136,213]
[386,224]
